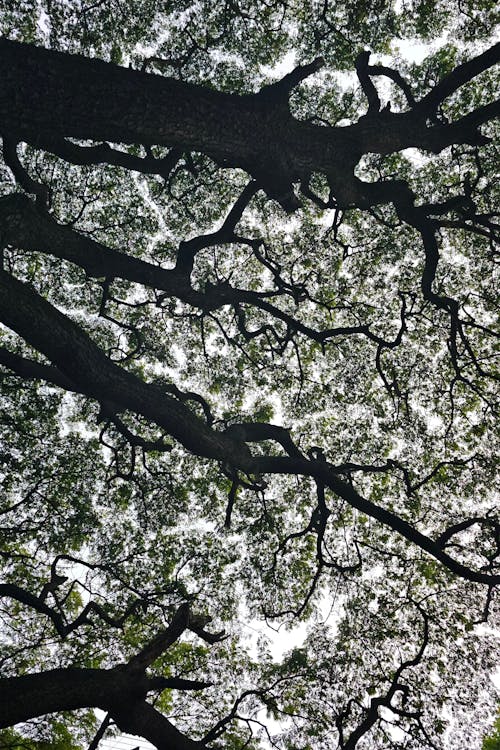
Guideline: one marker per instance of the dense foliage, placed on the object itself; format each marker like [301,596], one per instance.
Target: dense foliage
[247,373]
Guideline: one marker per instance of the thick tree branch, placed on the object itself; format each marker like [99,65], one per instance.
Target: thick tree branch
[51,96]
[162,641]
[458,77]
[59,339]
[120,693]
[144,720]
[76,355]
[177,683]
[28,369]
[280,90]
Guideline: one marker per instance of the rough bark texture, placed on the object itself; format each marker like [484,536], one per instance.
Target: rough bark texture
[50,95]
[31,695]
[116,691]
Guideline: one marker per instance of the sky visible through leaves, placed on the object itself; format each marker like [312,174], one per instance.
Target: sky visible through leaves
[336,338]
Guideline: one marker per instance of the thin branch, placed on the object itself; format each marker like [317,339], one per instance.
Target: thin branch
[103,153]
[100,733]
[394,75]
[362,70]
[11,158]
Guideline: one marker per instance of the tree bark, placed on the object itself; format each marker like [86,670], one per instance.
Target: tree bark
[31,695]
[74,353]
[47,97]
[116,691]
[53,95]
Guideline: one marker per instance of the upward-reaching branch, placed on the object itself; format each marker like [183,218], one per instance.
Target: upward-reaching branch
[162,641]
[458,77]
[280,90]
[120,691]
[394,75]
[369,89]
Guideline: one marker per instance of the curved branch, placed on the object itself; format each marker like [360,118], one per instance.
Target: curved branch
[24,226]
[370,91]
[188,250]
[394,75]
[63,628]
[279,91]
[11,158]
[444,538]
[115,691]
[372,714]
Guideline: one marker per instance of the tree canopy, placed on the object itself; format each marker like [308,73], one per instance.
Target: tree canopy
[247,361]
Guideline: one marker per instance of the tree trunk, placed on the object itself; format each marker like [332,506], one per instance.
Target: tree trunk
[31,695]
[117,691]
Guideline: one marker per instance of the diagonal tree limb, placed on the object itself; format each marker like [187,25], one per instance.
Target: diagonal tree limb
[24,226]
[99,735]
[103,153]
[63,627]
[23,596]
[279,91]
[31,370]
[161,642]
[458,77]
[79,358]
[245,131]
[372,714]
[144,720]
[177,683]
[73,352]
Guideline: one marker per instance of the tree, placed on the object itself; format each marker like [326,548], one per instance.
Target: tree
[492,741]
[247,374]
